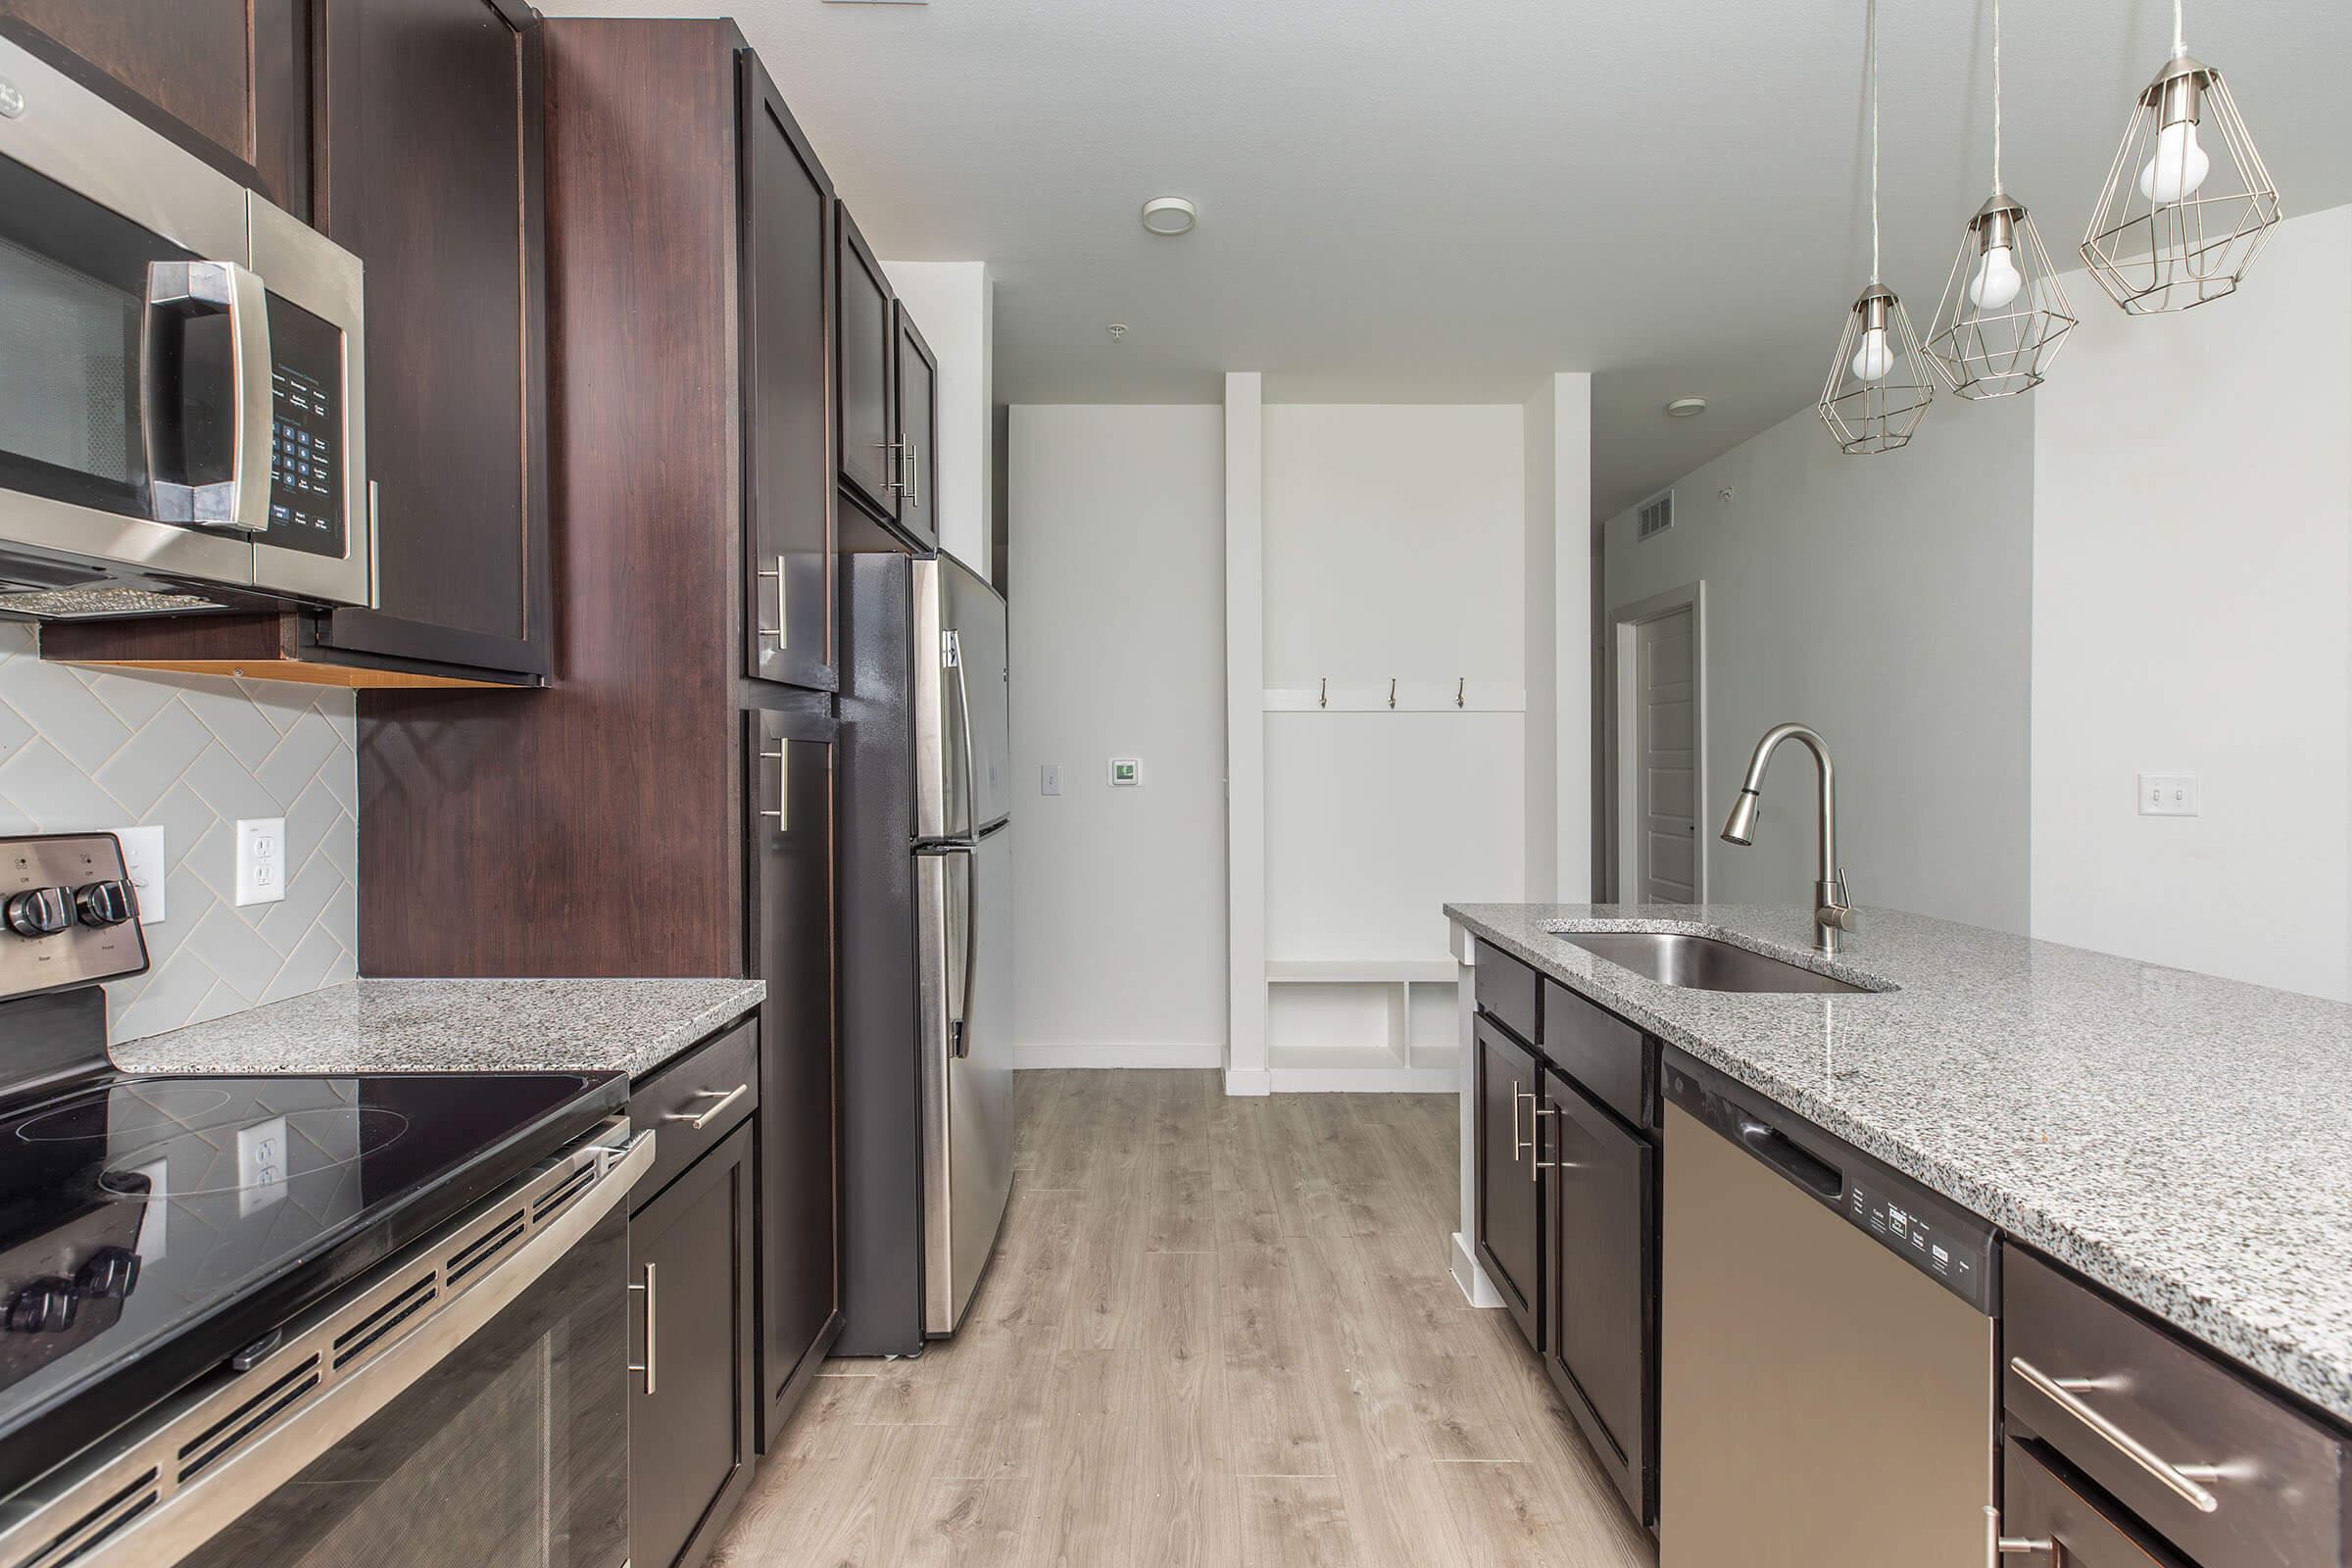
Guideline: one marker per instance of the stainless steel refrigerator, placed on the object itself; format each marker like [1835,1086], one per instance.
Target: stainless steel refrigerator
[926,961]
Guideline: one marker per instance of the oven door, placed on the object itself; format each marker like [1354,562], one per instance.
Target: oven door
[467,1403]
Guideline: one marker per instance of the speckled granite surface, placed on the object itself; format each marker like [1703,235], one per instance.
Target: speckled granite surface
[629,1026]
[2185,1141]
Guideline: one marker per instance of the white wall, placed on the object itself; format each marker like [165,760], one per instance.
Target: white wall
[1539,621]
[1393,548]
[1117,517]
[2193,584]
[1884,601]
[953,303]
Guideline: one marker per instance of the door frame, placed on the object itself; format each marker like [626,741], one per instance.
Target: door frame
[1618,725]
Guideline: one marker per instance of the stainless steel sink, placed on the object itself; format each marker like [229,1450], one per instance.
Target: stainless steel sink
[1699,963]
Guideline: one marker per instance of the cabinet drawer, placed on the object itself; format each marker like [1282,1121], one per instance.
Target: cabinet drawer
[717,1084]
[2276,1497]
[2039,1506]
[1612,1058]
[1506,990]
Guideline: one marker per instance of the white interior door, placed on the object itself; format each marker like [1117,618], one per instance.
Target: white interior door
[1666,760]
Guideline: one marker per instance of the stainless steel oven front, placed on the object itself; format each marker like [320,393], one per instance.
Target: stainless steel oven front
[182,375]
[465,1403]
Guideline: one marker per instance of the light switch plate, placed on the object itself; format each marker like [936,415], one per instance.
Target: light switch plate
[2168,795]
[261,859]
[143,865]
[1126,771]
[1049,779]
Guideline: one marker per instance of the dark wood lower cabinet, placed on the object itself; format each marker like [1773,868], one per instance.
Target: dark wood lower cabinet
[1510,1196]
[693,1437]
[1600,1336]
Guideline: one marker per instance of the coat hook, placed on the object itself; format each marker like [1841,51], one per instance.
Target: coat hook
[1323,697]
[1391,691]
[1460,688]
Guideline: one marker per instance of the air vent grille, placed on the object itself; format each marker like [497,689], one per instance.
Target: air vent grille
[562,1196]
[370,1329]
[1657,515]
[85,1534]
[221,1438]
[474,1254]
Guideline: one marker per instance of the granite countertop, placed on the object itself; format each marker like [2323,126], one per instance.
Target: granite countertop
[630,1026]
[2185,1141]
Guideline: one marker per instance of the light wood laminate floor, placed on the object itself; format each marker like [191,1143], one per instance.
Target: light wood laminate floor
[1216,1332]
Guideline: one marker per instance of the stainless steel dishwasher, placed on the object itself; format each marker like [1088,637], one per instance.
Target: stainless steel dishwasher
[1827,1379]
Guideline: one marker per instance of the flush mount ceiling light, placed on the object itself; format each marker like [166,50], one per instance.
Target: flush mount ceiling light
[1878,390]
[2003,317]
[2174,228]
[1685,408]
[1170,216]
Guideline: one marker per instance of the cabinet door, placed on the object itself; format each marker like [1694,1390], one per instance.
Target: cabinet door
[790,840]
[1509,1199]
[691,1442]
[918,433]
[787,370]
[866,356]
[1602,1346]
[434,173]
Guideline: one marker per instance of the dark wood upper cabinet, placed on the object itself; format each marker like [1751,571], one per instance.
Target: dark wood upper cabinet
[432,170]
[918,432]
[871,469]
[229,80]
[788,501]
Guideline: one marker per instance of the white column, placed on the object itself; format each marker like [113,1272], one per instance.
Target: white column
[1572,641]
[1245,737]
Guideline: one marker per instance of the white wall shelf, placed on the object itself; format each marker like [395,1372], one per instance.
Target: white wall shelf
[1395,1060]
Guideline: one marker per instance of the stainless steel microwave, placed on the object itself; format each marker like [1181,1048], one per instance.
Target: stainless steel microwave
[182,388]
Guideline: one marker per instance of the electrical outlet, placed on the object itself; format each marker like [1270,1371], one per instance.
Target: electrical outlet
[260,1164]
[2168,795]
[1049,779]
[143,865]
[261,859]
[1126,771]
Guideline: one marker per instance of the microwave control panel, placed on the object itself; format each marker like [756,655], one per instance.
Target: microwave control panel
[306,470]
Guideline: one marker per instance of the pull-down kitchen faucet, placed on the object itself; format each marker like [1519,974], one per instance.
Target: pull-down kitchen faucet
[1832,913]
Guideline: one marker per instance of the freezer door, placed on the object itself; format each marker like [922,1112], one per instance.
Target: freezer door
[964,921]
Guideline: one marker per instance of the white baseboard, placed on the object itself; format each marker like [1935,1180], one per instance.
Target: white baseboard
[1249,1081]
[1148,1053]
[1477,1289]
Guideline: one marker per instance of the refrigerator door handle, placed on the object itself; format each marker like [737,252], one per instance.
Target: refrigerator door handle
[963,709]
[959,1037]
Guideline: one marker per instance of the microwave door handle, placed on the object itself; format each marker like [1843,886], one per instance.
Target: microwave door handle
[178,291]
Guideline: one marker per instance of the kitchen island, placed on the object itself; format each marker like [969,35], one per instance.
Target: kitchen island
[2183,1140]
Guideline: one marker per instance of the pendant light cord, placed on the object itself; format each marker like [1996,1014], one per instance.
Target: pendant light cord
[2179,38]
[1870,28]
[1996,97]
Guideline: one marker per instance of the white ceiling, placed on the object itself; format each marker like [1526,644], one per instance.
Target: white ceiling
[1440,200]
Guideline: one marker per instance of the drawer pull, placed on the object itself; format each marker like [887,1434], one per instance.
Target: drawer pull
[1519,1144]
[2178,1479]
[1534,1143]
[653,1332]
[725,1097]
[1998,1545]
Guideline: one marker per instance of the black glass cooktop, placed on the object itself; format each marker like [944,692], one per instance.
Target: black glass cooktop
[152,1227]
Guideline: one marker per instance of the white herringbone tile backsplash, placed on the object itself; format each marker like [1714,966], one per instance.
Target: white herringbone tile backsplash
[83,749]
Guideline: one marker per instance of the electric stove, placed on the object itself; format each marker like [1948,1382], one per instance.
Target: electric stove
[159,1230]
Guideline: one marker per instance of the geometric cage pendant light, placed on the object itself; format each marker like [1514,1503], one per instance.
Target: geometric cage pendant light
[1880,386]
[2188,206]
[2003,317]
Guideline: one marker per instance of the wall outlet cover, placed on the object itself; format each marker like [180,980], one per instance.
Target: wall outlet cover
[2168,795]
[143,864]
[1049,779]
[1126,771]
[261,859]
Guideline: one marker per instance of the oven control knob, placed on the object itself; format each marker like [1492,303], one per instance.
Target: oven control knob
[109,1274]
[105,903]
[38,911]
[43,1306]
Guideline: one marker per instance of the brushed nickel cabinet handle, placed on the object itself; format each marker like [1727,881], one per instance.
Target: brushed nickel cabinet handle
[725,1098]
[1519,1144]
[783,617]
[1534,1143]
[783,763]
[913,458]
[1998,1545]
[2181,1480]
[653,1331]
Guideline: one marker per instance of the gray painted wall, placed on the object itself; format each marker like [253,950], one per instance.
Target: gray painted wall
[1885,600]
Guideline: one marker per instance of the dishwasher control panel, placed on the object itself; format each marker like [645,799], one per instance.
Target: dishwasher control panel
[1932,1234]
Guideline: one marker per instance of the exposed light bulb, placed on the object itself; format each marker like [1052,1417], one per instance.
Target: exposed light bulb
[1875,357]
[1997,281]
[2179,166]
